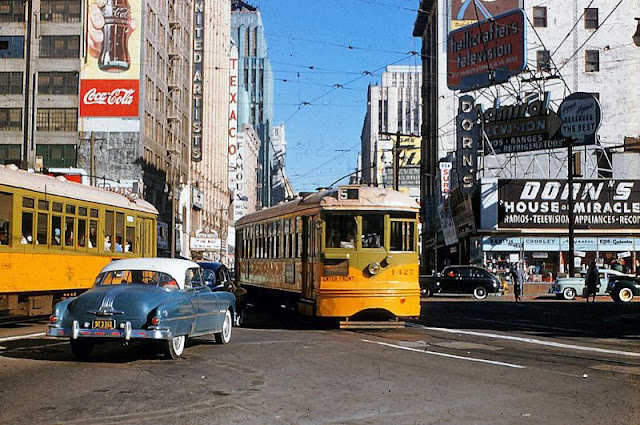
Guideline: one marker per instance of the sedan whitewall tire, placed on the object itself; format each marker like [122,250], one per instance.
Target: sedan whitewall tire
[174,347]
[625,295]
[224,336]
[569,293]
[480,293]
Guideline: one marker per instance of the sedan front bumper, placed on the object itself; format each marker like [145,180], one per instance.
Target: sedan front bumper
[126,333]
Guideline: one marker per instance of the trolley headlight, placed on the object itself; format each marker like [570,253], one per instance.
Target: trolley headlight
[374,268]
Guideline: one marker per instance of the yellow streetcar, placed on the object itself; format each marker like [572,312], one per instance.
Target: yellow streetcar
[349,253]
[55,236]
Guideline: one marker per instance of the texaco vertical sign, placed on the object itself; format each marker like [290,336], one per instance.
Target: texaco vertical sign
[197,81]
[233,117]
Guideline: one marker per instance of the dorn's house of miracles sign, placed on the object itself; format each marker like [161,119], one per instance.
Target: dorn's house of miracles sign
[599,204]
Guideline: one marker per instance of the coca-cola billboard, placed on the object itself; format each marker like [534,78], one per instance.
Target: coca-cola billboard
[110,75]
[109,98]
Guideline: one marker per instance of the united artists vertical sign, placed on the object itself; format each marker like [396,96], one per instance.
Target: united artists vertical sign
[197,83]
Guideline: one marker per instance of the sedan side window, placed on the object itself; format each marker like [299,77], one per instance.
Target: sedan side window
[209,277]
[193,278]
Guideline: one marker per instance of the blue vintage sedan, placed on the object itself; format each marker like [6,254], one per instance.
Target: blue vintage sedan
[158,299]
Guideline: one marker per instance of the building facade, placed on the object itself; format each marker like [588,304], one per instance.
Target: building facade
[210,176]
[393,108]
[584,46]
[255,84]
[151,122]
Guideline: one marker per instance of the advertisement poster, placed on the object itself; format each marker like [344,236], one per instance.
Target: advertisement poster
[467,12]
[110,74]
[598,204]
[486,53]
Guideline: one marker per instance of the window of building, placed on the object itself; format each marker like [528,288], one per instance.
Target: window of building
[11,119]
[591,18]
[58,82]
[10,154]
[60,46]
[11,47]
[57,119]
[57,156]
[543,60]
[60,10]
[539,16]
[11,83]
[592,60]
[12,10]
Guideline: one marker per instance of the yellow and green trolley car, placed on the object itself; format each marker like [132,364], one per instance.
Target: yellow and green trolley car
[349,253]
[55,236]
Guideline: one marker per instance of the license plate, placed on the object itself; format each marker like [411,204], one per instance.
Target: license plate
[104,324]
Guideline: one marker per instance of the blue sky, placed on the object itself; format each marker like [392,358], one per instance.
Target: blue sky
[322,52]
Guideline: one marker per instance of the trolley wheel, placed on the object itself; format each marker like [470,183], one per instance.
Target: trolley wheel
[480,293]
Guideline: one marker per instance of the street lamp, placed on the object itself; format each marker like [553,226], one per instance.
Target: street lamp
[636,36]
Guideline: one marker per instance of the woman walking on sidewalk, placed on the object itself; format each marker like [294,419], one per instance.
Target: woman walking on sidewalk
[517,277]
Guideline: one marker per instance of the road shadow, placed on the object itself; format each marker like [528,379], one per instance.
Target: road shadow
[541,316]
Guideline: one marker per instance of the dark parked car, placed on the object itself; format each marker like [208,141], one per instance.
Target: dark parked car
[461,280]
[160,300]
[623,288]
[218,277]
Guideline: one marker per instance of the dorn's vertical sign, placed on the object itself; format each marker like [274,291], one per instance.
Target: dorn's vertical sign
[197,82]
[467,129]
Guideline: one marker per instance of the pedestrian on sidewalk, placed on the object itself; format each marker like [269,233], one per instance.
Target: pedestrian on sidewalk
[517,278]
[592,281]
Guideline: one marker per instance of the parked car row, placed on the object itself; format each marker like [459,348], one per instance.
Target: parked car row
[157,300]
[621,287]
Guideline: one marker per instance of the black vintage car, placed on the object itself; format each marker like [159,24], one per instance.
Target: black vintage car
[461,280]
[218,277]
[623,288]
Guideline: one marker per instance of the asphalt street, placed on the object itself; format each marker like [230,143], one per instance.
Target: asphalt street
[463,362]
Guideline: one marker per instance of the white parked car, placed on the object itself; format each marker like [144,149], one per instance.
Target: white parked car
[569,287]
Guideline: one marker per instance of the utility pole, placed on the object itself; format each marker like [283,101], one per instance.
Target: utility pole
[396,162]
[570,200]
[92,173]
[24,163]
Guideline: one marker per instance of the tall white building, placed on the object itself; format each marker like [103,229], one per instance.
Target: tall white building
[393,107]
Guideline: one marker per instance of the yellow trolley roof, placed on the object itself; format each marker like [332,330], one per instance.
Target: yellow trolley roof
[11,176]
[368,198]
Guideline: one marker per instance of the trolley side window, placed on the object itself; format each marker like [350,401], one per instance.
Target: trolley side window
[108,230]
[340,231]
[6,207]
[372,230]
[403,235]
[56,225]
[27,221]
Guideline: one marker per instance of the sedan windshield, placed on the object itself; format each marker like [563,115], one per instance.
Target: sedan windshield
[137,277]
